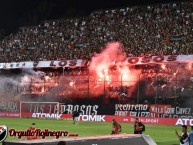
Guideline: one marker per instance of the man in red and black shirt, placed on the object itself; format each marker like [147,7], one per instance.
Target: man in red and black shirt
[116,127]
[138,126]
[32,128]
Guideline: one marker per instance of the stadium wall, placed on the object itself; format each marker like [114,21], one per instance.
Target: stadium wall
[107,118]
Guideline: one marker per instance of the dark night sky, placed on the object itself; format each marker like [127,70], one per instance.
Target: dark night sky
[16,13]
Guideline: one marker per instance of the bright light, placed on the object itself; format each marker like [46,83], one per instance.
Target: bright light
[71,84]
[106,71]
[101,75]
[189,66]
[163,66]
[42,90]
[163,86]
[47,78]
[125,76]
[107,78]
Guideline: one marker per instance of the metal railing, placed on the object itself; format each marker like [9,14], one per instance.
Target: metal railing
[155,90]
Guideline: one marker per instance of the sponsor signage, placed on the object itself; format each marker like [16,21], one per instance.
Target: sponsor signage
[10,114]
[132,110]
[131,107]
[184,121]
[167,109]
[155,111]
[145,120]
[161,109]
[105,118]
[92,118]
[46,115]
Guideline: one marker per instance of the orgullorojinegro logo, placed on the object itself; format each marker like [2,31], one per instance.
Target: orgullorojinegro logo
[3,132]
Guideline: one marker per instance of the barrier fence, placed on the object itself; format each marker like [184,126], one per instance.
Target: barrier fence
[155,89]
[107,118]
[127,110]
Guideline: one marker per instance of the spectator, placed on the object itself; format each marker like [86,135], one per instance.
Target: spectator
[32,128]
[116,127]
[184,137]
[138,127]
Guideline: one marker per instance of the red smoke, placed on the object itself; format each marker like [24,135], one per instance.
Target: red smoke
[109,66]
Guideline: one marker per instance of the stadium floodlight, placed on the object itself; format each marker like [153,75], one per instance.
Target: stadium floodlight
[50,110]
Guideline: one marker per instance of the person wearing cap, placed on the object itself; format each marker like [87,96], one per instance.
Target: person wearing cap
[183,138]
[191,136]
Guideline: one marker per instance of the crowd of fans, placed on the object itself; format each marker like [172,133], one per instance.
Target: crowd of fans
[154,29]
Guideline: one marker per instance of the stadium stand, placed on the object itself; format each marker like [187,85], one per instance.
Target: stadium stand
[154,29]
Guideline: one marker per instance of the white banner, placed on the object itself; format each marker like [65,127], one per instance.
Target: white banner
[160,59]
[156,59]
[41,64]
[80,62]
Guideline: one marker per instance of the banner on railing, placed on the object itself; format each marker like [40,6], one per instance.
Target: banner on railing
[42,64]
[51,108]
[160,59]
[157,59]
[80,62]
[153,111]
[9,107]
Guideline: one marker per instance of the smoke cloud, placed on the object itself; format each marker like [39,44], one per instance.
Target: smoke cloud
[13,86]
[109,67]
